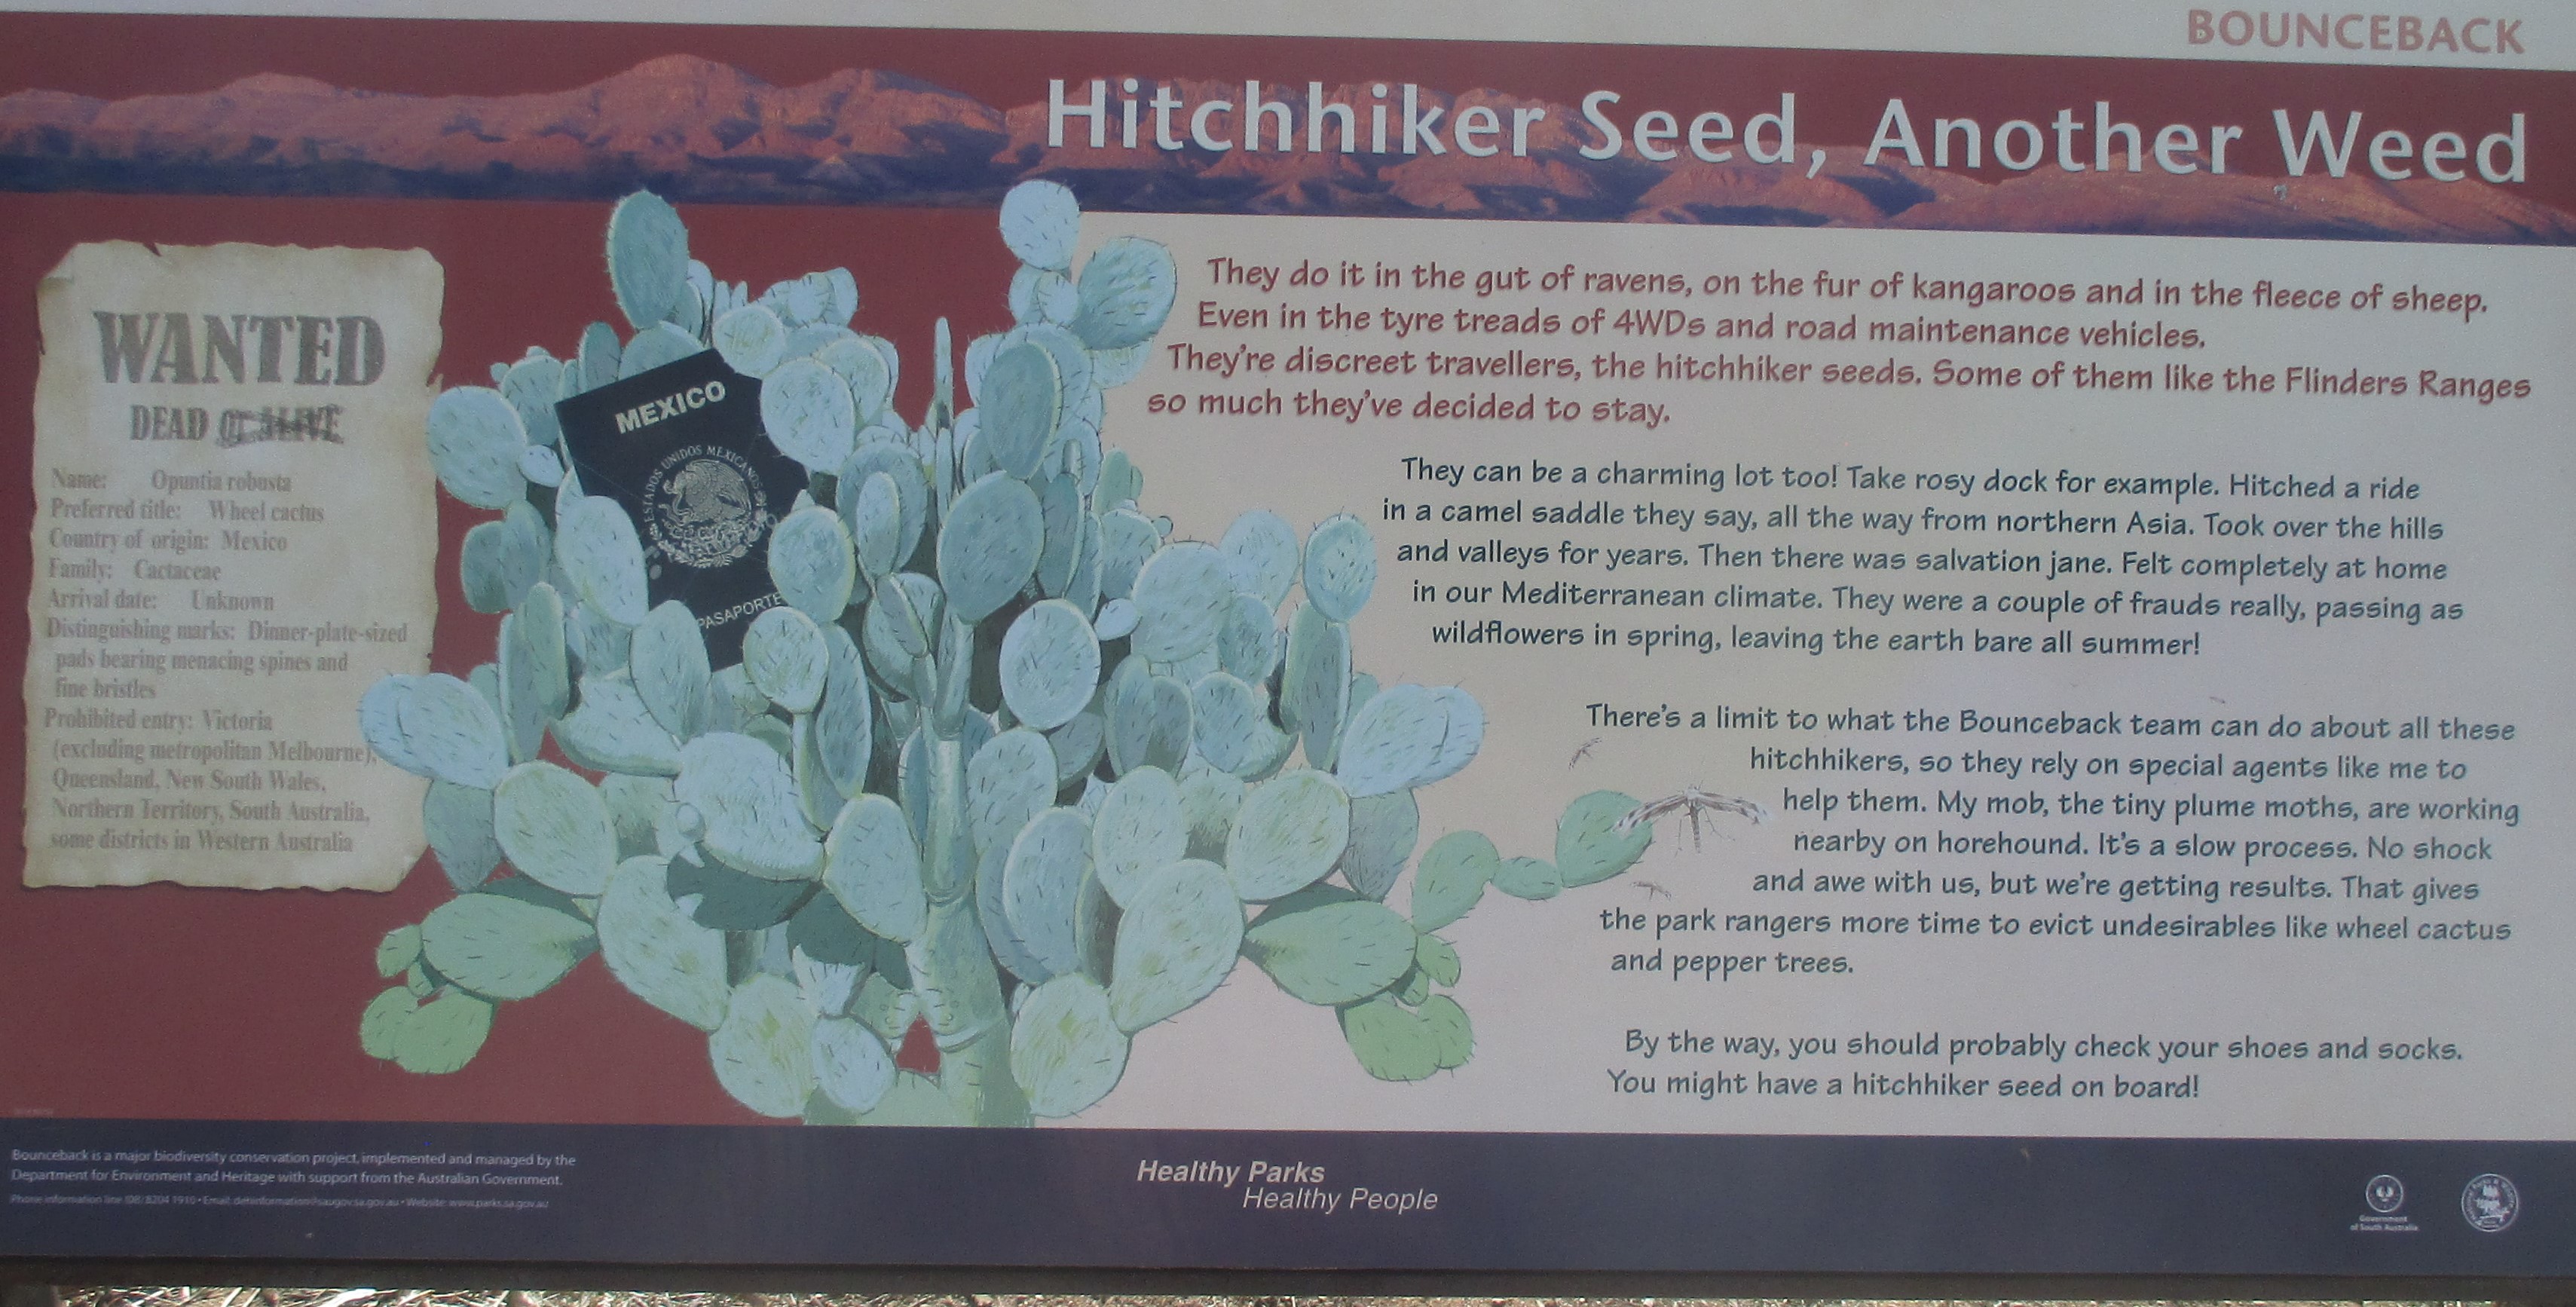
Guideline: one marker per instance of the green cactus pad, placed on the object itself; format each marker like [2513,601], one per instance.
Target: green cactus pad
[1209,800]
[914,1100]
[1333,953]
[1287,835]
[1140,829]
[1078,745]
[764,1051]
[1050,664]
[1435,958]
[1452,875]
[1127,288]
[475,441]
[654,346]
[1341,567]
[1060,510]
[597,546]
[875,868]
[863,370]
[784,655]
[1466,734]
[1177,941]
[1391,739]
[901,628]
[1043,295]
[1384,829]
[1115,620]
[1021,391]
[532,385]
[1078,405]
[1042,883]
[668,661]
[431,1038]
[535,676]
[733,703]
[988,547]
[554,828]
[844,726]
[1391,1042]
[813,563]
[1315,683]
[612,731]
[648,257]
[1157,732]
[1066,1050]
[597,364]
[1040,221]
[1261,555]
[397,951]
[811,340]
[1589,846]
[875,518]
[1127,539]
[992,909]
[635,805]
[458,821]
[1227,721]
[1112,368]
[1528,878]
[752,340]
[745,792]
[1083,591]
[810,415]
[598,644]
[541,466]
[974,455]
[912,491]
[1120,481]
[825,932]
[503,947]
[885,1007]
[500,560]
[1183,594]
[1364,687]
[851,1065]
[817,796]
[435,726]
[1008,781]
[779,736]
[1315,895]
[1453,1040]
[1247,645]
[721,898]
[952,970]
[656,950]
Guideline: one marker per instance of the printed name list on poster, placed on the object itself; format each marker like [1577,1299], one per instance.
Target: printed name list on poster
[2027,646]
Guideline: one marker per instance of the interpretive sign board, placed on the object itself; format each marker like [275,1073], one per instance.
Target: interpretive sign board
[1644,646]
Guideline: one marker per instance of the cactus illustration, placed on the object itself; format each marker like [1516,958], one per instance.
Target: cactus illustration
[1006,760]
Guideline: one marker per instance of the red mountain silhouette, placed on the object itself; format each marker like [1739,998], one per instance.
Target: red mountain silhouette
[695,129]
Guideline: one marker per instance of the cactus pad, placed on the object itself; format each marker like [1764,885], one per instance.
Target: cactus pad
[1177,940]
[502,947]
[657,951]
[764,1051]
[1066,1050]
[1287,835]
[475,439]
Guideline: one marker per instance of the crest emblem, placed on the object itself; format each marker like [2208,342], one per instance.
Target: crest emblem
[704,506]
